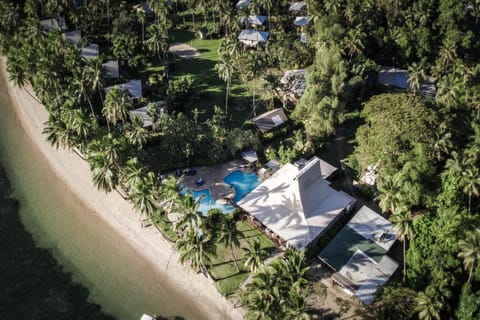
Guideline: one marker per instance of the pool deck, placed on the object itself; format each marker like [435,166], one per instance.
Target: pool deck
[213,177]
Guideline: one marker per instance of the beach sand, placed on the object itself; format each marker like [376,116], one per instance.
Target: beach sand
[117,212]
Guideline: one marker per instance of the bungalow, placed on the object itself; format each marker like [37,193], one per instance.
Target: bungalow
[252,37]
[391,76]
[358,254]
[90,51]
[143,7]
[297,203]
[301,21]
[270,120]
[134,87]
[53,24]
[297,6]
[111,69]
[256,20]
[242,3]
[73,37]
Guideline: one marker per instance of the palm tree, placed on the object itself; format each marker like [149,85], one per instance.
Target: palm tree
[144,194]
[229,235]
[389,192]
[471,183]
[170,189]
[56,131]
[254,255]
[95,75]
[104,173]
[416,75]
[132,173]
[117,104]
[189,216]
[193,247]
[225,71]
[262,295]
[428,306]
[255,63]
[157,42]
[403,224]
[137,134]
[470,251]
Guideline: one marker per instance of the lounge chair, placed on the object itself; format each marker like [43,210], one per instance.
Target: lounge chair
[199,182]
[178,173]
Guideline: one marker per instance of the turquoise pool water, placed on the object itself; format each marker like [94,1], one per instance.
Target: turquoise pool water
[241,181]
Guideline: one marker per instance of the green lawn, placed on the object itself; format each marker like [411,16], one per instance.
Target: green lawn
[223,269]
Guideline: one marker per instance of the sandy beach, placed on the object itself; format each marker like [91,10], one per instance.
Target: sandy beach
[117,212]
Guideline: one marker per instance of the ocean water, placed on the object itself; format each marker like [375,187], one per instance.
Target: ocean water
[99,263]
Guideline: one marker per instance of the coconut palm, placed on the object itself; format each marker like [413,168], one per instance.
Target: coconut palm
[157,42]
[132,173]
[262,295]
[192,246]
[144,194]
[428,306]
[117,104]
[104,172]
[470,251]
[254,255]
[416,75]
[225,72]
[189,216]
[389,192]
[136,133]
[403,225]
[471,183]
[57,132]
[229,235]
[170,189]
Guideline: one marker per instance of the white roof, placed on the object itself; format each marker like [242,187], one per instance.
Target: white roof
[374,227]
[143,7]
[252,37]
[256,20]
[242,3]
[134,87]
[303,37]
[367,275]
[249,155]
[73,37]
[53,24]
[90,51]
[326,168]
[297,6]
[141,113]
[297,204]
[111,68]
[301,21]
[147,317]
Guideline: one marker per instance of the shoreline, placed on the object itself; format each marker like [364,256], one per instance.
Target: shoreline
[117,212]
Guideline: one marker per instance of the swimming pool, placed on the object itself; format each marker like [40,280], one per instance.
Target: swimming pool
[242,182]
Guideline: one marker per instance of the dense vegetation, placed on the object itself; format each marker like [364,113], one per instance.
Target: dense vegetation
[425,149]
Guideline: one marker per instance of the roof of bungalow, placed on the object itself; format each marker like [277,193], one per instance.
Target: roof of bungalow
[252,37]
[134,87]
[303,37]
[358,254]
[270,120]
[301,21]
[53,24]
[256,20]
[391,76]
[143,7]
[326,168]
[297,6]
[111,68]
[297,204]
[90,51]
[242,3]
[73,37]
[142,114]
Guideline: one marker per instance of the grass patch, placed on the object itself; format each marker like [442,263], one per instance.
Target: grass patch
[222,268]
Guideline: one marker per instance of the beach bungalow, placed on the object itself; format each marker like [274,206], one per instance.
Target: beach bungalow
[53,24]
[89,52]
[134,87]
[358,254]
[300,21]
[252,38]
[297,6]
[391,76]
[270,120]
[256,20]
[297,204]
[73,37]
[242,3]
[143,7]
[111,69]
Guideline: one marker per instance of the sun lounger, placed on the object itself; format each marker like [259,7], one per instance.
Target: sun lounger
[199,182]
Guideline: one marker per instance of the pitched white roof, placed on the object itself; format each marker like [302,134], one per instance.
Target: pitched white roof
[374,227]
[73,37]
[141,113]
[111,68]
[391,76]
[297,6]
[297,204]
[301,21]
[366,275]
[256,20]
[252,37]
[53,24]
[90,51]
[242,3]
[134,87]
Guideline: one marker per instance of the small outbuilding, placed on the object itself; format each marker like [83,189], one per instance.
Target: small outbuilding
[111,69]
[297,6]
[242,3]
[252,37]
[73,37]
[89,52]
[134,87]
[301,21]
[256,20]
[270,120]
[391,76]
[53,24]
